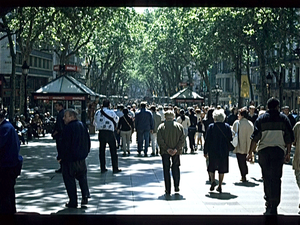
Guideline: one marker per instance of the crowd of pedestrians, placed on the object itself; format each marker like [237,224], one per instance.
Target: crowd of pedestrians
[172,131]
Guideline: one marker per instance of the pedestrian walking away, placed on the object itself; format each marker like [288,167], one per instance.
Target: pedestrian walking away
[170,138]
[105,122]
[153,134]
[10,165]
[274,135]
[125,128]
[216,148]
[144,124]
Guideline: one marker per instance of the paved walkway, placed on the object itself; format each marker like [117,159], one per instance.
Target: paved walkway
[139,188]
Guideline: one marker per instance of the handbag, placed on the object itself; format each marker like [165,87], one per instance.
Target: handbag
[230,146]
[235,140]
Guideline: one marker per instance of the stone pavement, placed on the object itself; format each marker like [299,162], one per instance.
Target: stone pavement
[139,188]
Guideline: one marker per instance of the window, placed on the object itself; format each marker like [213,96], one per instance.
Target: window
[40,63]
[35,62]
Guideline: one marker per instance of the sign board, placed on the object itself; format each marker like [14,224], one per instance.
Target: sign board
[184,84]
[71,68]
[79,98]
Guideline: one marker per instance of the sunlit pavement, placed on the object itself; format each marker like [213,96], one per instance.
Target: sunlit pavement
[139,188]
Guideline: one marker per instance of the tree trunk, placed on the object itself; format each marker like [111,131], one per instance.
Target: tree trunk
[12,104]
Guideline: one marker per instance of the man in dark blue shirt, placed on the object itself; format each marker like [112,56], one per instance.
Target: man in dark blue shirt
[76,147]
[144,124]
[10,164]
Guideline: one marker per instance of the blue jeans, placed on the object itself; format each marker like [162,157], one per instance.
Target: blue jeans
[271,161]
[143,135]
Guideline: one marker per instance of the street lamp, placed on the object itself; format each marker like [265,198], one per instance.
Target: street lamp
[269,79]
[25,70]
[217,90]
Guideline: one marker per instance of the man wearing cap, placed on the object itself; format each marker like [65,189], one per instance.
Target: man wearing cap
[170,138]
[286,111]
[274,135]
[10,164]
[144,124]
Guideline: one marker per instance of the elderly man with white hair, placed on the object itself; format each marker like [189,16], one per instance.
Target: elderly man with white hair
[170,138]
[216,148]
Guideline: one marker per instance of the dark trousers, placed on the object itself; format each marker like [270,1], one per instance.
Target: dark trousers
[166,160]
[104,137]
[70,172]
[59,146]
[271,161]
[191,134]
[8,178]
[241,158]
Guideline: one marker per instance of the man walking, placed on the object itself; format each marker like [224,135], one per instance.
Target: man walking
[10,164]
[58,129]
[153,134]
[76,147]
[170,138]
[106,122]
[144,125]
[274,135]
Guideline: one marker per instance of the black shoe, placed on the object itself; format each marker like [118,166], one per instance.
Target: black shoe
[145,155]
[84,201]
[117,171]
[71,205]
[104,171]
[213,185]
[152,154]
[176,189]
[219,189]
[58,170]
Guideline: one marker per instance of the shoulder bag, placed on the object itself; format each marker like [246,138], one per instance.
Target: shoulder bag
[230,146]
[108,117]
[235,140]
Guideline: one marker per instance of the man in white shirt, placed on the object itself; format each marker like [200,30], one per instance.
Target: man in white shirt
[105,121]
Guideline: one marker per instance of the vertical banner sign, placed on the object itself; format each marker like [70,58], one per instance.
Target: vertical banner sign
[245,87]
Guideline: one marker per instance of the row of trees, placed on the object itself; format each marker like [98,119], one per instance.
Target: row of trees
[177,37]
[127,52]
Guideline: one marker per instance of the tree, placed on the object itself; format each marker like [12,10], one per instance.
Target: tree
[28,24]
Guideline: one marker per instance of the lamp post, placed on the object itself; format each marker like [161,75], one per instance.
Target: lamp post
[217,90]
[269,79]
[25,70]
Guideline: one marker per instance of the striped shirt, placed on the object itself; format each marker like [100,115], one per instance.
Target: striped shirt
[272,129]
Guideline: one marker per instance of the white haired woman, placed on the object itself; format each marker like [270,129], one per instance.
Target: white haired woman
[216,148]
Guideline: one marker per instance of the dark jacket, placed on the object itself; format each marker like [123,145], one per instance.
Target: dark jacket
[144,120]
[76,142]
[123,125]
[59,124]
[9,146]
[193,120]
[218,136]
